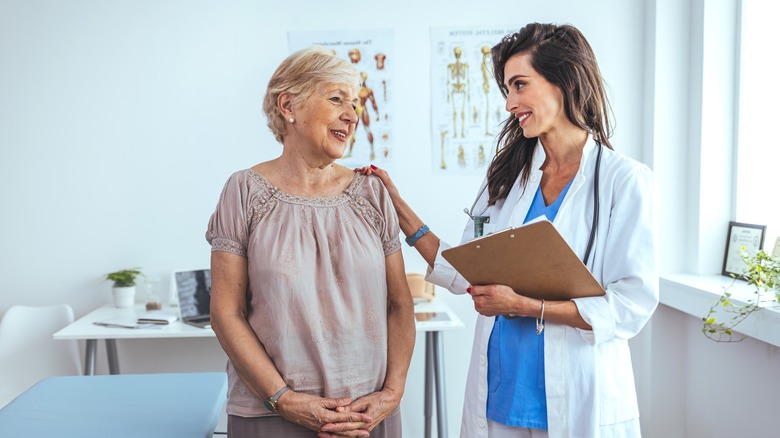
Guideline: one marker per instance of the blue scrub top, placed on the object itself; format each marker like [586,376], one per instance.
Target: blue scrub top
[516,393]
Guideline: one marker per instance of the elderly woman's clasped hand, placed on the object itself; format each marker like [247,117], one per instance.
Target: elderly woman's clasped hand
[315,413]
[375,407]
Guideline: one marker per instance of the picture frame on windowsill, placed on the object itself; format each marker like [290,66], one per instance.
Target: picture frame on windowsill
[741,235]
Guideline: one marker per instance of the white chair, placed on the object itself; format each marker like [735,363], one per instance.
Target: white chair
[27,351]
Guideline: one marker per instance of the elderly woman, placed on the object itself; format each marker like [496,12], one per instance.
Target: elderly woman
[309,296]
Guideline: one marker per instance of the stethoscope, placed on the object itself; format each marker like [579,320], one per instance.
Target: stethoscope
[479,221]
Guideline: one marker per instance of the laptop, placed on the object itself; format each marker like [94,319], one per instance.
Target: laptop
[193,294]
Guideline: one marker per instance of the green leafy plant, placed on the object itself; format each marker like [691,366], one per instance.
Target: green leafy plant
[763,272]
[125,277]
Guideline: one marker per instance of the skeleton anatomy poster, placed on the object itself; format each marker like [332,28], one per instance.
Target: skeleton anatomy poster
[371,52]
[467,107]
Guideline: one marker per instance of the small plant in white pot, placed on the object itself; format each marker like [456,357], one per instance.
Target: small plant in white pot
[124,286]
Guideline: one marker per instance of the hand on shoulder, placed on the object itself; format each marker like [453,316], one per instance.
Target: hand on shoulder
[383,176]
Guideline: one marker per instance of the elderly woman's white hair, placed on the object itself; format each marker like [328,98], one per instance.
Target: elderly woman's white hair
[300,75]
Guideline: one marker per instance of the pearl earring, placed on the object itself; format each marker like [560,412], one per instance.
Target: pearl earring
[291,120]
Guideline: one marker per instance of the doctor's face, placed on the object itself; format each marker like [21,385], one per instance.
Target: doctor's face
[535,102]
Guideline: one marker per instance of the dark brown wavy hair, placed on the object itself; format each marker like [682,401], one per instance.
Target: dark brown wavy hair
[562,55]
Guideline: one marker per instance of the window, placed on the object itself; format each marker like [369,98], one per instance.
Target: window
[758,160]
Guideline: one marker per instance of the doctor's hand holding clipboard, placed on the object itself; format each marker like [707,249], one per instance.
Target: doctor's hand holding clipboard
[556,367]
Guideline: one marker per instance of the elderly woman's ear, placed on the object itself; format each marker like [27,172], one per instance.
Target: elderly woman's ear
[284,102]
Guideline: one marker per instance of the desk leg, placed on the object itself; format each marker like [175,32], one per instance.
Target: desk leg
[441,397]
[89,357]
[428,382]
[113,359]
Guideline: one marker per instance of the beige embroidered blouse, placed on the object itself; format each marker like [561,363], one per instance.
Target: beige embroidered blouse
[317,287]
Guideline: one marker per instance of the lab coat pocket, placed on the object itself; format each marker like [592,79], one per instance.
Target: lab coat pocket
[617,393]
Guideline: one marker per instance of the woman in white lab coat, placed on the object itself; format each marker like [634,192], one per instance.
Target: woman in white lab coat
[555,368]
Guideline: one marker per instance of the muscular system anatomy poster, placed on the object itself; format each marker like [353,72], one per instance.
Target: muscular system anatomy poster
[371,53]
[467,108]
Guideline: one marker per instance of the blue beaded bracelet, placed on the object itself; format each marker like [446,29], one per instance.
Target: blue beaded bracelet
[414,237]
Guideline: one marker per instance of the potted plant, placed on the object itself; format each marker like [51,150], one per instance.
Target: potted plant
[124,286]
[762,272]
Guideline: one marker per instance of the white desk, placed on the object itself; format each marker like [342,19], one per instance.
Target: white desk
[439,317]
[84,328]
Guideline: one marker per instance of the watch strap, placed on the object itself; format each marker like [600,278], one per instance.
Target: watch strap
[423,230]
[278,394]
[270,403]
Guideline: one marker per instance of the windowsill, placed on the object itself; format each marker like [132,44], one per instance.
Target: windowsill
[694,294]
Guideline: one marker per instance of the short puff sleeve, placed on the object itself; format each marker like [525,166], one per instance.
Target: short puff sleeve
[229,226]
[387,226]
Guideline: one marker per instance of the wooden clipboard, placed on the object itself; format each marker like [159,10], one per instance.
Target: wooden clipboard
[534,260]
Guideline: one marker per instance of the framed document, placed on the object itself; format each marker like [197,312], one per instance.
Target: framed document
[749,236]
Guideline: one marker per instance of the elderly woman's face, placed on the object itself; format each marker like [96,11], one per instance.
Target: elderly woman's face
[327,119]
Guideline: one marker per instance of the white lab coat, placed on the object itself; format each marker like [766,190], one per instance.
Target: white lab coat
[588,375]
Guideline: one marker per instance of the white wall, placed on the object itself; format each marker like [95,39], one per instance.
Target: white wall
[121,120]
[700,388]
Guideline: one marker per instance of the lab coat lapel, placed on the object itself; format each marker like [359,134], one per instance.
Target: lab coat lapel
[580,178]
